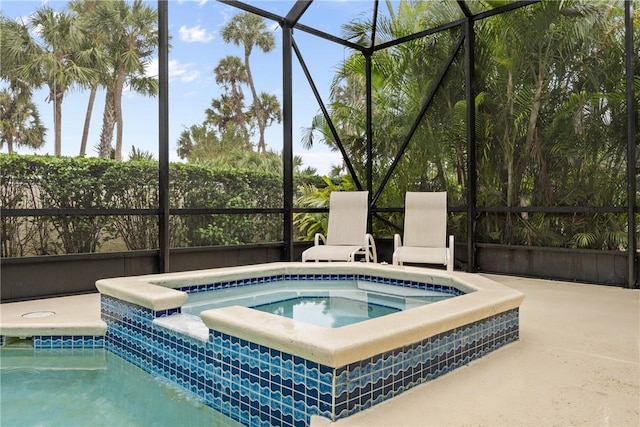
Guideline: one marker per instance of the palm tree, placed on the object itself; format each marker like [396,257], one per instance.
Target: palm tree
[231,74]
[20,123]
[249,30]
[268,109]
[137,154]
[48,58]
[401,78]
[92,56]
[552,121]
[132,40]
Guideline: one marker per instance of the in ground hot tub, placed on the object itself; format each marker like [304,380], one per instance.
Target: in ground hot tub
[334,301]
[261,368]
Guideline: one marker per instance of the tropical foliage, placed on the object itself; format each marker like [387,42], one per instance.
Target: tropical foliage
[550,125]
[224,137]
[48,58]
[88,44]
[48,182]
[20,124]
[550,117]
[249,31]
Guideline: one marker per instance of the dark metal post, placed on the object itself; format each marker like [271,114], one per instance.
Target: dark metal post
[471,145]
[369,131]
[631,145]
[287,149]
[163,134]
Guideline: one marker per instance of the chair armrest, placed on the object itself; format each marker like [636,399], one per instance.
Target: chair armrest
[397,241]
[370,248]
[451,253]
[319,237]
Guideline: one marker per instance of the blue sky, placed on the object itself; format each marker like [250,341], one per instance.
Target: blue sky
[197,47]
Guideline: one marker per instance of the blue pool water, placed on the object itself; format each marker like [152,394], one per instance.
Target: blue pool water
[322,303]
[326,311]
[92,388]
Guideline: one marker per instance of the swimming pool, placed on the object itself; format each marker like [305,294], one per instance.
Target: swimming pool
[99,389]
[263,369]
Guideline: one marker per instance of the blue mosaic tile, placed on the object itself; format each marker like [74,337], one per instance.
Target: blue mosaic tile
[256,281]
[257,385]
[168,312]
[68,342]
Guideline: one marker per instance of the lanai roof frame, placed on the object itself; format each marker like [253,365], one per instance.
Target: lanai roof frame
[291,21]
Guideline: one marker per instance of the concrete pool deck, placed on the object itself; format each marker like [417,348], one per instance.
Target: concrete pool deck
[577,363]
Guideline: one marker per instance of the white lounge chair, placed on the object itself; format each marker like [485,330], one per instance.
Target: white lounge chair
[347,230]
[425,231]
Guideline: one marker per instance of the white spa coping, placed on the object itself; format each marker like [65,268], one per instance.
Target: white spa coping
[76,315]
[333,347]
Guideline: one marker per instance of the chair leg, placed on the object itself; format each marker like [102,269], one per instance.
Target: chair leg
[451,254]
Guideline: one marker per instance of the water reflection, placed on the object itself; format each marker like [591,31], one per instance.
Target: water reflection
[315,312]
[330,312]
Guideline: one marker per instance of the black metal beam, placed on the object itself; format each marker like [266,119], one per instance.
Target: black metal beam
[282,21]
[255,10]
[296,12]
[368,55]
[421,114]
[221,211]
[471,145]
[77,212]
[163,134]
[287,149]
[369,132]
[329,37]
[462,4]
[553,209]
[506,8]
[631,146]
[374,23]
[369,111]
[327,117]
[420,34]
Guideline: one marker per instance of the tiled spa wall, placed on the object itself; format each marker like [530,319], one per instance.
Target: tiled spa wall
[260,386]
[55,342]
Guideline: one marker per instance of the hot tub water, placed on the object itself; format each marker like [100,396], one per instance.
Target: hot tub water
[327,303]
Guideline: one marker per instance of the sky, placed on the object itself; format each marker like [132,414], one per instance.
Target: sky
[196,49]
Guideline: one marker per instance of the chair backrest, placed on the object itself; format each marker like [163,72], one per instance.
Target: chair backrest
[425,219]
[348,212]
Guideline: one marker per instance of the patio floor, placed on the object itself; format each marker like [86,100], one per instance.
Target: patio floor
[577,363]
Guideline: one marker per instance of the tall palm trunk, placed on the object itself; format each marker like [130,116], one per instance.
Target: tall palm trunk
[118,112]
[533,148]
[87,119]
[56,96]
[256,110]
[509,140]
[108,122]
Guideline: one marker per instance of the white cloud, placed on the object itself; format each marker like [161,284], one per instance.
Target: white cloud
[183,72]
[200,2]
[194,34]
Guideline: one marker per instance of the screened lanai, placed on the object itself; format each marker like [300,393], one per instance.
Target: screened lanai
[525,112]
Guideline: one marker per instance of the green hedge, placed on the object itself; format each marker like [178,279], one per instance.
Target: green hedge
[46,182]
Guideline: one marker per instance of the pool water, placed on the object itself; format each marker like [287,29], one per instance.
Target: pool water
[322,303]
[92,388]
[331,312]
